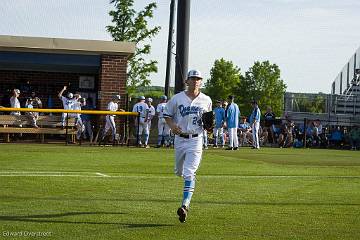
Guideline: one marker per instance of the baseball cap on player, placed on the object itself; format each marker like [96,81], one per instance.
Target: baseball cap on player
[17,91]
[116,97]
[70,95]
[142,98]
[194,74]
[149,99]
[163,97]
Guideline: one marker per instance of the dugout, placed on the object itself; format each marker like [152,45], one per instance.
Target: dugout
[95,69]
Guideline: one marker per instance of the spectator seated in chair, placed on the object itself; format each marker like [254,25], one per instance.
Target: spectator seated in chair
[286,137]
[244,129]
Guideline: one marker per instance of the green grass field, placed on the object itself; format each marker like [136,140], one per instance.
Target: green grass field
[72,192]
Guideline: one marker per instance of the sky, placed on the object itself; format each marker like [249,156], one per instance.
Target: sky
[310,40]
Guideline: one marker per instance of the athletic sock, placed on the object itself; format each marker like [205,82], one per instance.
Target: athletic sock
[189,187]
[159,139]
[167,140]
[146,138]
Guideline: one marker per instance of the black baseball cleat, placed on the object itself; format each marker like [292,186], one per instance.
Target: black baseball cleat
[229,148]
[182,212]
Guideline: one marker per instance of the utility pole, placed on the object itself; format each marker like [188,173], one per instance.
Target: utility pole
[182,44]
[169,48]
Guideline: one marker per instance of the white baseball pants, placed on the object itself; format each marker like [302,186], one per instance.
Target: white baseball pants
[110,124]
[188,153]
[163,128]
[255,133]
[219,133]
[233,138]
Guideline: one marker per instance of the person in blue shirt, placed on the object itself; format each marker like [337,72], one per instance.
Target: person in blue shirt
[336,137]
[232,122]
[255,124]
[219,112]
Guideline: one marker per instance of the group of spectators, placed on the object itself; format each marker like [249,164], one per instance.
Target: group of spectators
[281,132]
[231,129]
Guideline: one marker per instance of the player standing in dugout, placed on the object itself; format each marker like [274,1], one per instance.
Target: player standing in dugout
[183,113]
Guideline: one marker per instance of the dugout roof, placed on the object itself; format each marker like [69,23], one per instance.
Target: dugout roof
[57,54]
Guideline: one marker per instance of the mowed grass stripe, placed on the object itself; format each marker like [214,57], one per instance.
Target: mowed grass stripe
[67,174]
[270,194]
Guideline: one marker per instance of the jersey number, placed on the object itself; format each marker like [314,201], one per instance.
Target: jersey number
[196,121]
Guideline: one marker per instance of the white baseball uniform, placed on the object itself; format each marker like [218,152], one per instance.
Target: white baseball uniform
[163,128]
[15,103]
[151,114]
[186,113]
[142,108]
[68,105]
[110,120]
[79,124]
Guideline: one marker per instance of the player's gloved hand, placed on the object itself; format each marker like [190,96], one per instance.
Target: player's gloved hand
[208,120]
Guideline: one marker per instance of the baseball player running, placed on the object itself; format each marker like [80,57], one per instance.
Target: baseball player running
[110,119]
[142,108]
[163,128]
[232,122]
[183,114]
[219,124]
[150,115]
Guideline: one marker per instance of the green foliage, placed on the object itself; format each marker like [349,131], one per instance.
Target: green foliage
[132,26]
[151,91]
[224,77]
[261,82]
[313,105]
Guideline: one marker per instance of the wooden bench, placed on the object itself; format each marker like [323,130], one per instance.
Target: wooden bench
[47,125]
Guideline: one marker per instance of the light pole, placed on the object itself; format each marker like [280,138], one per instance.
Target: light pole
[182,44]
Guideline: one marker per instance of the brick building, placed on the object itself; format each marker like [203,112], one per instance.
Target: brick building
[95,69]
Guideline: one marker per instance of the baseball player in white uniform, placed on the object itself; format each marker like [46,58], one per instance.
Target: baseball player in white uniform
[110,119]
[14,101]
[183,115]
[142,108]
[67,102]
[77,104]
[163,128]
[150,115]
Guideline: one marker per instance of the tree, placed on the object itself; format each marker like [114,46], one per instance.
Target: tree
[132,26]
[261,82]
[224,78]
[312,104]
